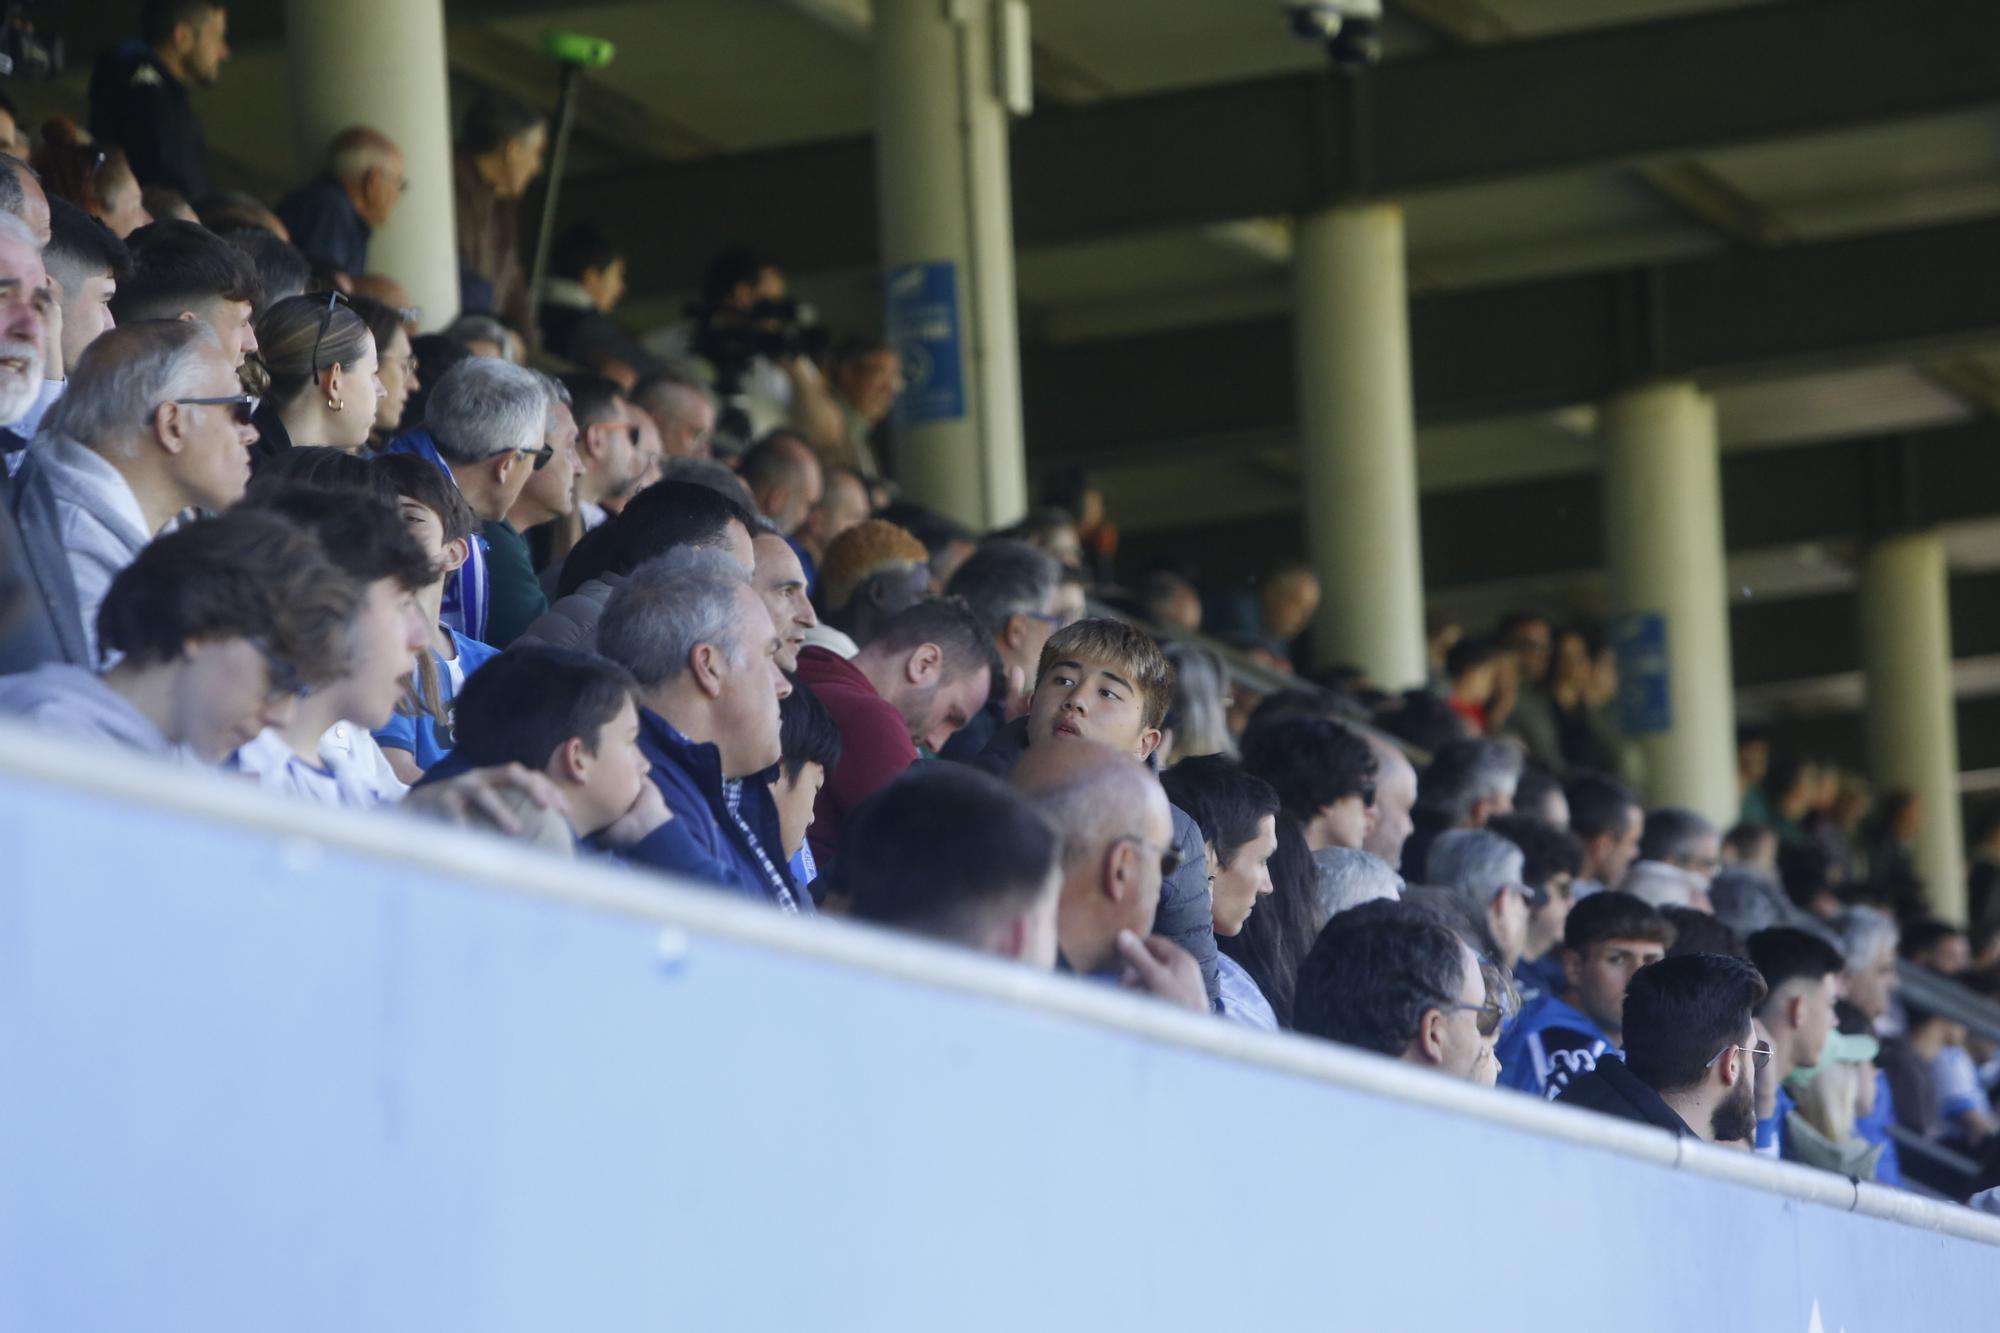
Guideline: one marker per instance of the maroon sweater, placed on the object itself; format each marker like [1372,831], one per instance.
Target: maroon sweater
[875,746]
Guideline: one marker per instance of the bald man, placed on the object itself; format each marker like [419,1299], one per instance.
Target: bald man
[1395,796]
[332,216]
[784,477]
[1118,838]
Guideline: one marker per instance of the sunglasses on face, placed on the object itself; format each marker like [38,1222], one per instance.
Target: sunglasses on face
[541,455]
[1489,1014]
[243,406]
[1171,858]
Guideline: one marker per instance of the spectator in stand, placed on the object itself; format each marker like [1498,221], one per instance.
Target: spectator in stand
[1392,978]
[1937,945]
[1346,878]
[843,504]
[958,855]
[1540,797]
[1119,847]
[1323,773]
[611,460]
[700,644]
[1105,681]
[500,149]
[43,625]
[1170,602]
[84,263]
[24,197]
[139,92]
[515,598]
[1280,933]
[1011,587]
[782,584]
[1573,1028]
[1550,861]
[421,732]
[281,270]
[1478,671]
[1395,798]
[484,425]
[165,205]
[95,179]
[1692,1058]
[1802,972]
[324,752]
[916,682]
[585,283]
[1287,602]
[331,217]
[867,380]
[1468,782]
[1607,818]
[1237,813]
[325,385]
[1983,876]
[1835,1097]
[871,572]
[154,424]
[1485,871]
[395,365]
[783,475]
[1679,854]
[181,270]
[684,410]
[434,355]
[809,749]
[1198,721]
[1530,639]
[1752,847]
[1696,931]
[574,719]
[1868,939]
[218,629]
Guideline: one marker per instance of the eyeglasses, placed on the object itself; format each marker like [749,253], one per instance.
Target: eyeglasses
[1171,858]
[244,405]
[1047,618]
[1760,1055]
[541,455]
[284,677]
[333,298]
[1490,1014]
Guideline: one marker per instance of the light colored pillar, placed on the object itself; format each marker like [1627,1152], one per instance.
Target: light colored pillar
[381,63]
[1358,441]
[1912,721]
[1669,593]
[946,210]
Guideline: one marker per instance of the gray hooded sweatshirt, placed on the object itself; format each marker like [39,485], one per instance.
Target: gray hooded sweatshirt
[100,520]
[74,702]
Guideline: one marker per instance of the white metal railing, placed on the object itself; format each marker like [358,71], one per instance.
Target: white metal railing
[510,867]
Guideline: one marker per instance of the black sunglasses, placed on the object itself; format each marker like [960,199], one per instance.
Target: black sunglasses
[541,455]
[244,405]
[333,298]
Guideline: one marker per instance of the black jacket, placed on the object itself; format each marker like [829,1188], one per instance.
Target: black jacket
[1616,1090]
[137,105]
[324,225]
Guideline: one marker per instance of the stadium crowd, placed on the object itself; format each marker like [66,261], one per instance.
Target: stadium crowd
[665,607]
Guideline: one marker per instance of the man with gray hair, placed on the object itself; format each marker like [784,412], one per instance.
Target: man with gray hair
[1485,870]
[484,425]
[684,410]
[1469,780]
[332,216]
[1348,878]
[1011,586]
[154,423]
[696,637]
[1679,853]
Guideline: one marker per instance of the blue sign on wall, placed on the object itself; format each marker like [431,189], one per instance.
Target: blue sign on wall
[1645,705]
[921,303]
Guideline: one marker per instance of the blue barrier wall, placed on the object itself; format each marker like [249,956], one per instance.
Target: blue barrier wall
[250,1080]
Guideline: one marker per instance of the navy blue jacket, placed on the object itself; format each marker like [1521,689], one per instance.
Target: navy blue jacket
[137,105]
[689,776]
[324,225]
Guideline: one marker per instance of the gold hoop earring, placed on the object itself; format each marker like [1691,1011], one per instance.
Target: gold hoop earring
[334,404]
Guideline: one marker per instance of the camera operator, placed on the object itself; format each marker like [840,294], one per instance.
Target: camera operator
[749,333]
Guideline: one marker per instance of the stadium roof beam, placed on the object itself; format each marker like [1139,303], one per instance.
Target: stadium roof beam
[1541,344]
[1198,156]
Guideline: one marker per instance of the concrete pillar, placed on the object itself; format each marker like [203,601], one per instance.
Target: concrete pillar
[947,223]
[1912,721]
[1669,593]
[1358,441]
[381,63]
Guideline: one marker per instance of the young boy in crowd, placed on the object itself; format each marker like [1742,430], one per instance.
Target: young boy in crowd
[324,752]
[218,628]
[810,746]
[420,732]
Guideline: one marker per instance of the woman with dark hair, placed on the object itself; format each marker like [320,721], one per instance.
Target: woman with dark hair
[395,365]
[431,355]
[500,150]
[97,180]
[322,365]
[1279,934]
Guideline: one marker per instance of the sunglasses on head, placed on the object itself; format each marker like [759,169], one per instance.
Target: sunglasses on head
[243,405]
[333,298]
